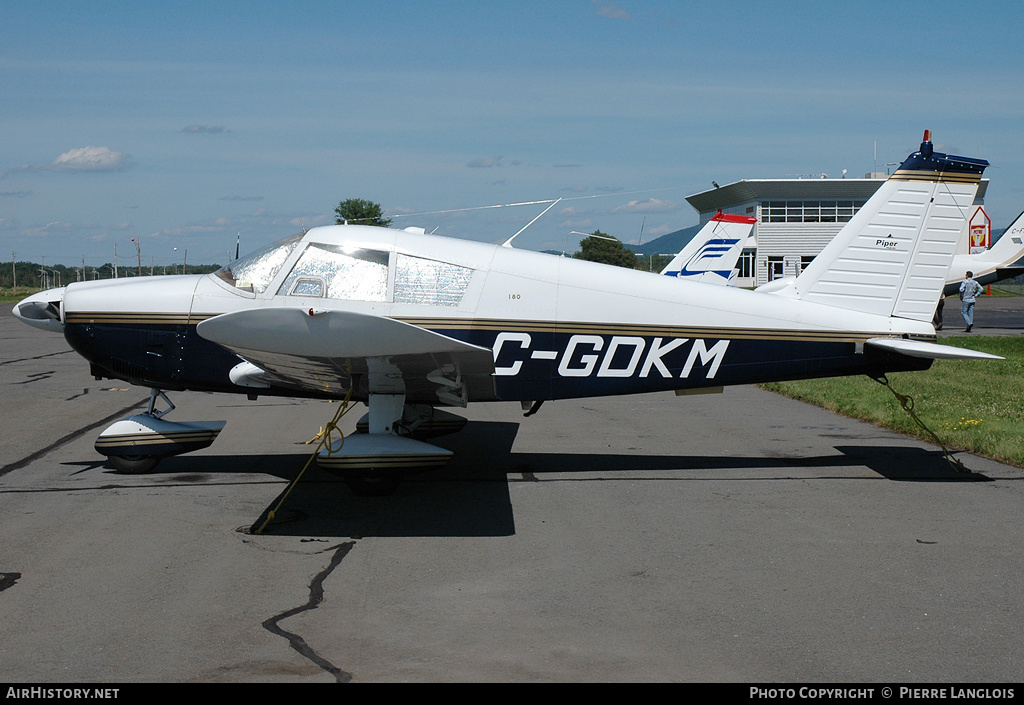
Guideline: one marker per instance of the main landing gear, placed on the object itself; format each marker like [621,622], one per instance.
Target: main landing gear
[387,447]
[136,445]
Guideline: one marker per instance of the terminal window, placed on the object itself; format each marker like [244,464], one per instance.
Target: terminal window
[748,260]
[809,211]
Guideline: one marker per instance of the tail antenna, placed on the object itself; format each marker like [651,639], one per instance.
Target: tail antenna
[926,144]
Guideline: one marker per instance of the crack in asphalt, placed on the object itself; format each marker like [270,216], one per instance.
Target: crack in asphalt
[70,437]
[37,357]
[316,596]
[36,377]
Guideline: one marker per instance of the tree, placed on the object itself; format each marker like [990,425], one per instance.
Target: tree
[358,211]
[603,248]
[652,263]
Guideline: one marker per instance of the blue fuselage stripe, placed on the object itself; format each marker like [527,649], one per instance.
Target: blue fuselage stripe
[529,364]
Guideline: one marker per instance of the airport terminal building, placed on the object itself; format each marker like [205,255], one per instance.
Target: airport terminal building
[796,218]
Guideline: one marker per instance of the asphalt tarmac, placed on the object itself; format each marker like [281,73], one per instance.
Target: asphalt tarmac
[741,537]
[993,315]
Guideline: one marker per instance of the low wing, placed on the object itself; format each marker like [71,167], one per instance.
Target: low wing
[329,351]
[932,351]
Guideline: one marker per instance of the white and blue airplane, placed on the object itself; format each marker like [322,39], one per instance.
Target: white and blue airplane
[711,255]
[409,323]
[1003,260]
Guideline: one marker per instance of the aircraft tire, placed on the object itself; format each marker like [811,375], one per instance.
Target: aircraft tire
[373,485]
[133,464]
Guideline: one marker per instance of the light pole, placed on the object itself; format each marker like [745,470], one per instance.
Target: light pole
[658,254]
[184,261]
[138,253]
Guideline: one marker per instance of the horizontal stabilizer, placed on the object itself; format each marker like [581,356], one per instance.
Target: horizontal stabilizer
[931,351]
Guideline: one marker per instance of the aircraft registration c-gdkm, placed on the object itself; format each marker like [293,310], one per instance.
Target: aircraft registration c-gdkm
[410,322]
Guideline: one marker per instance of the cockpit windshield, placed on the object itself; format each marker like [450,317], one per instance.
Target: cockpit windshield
[255,271]
[339,272]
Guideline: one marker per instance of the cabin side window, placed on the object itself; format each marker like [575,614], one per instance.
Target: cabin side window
[427,281]
[339,272]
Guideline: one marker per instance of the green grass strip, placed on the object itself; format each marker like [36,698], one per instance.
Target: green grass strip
[972,405]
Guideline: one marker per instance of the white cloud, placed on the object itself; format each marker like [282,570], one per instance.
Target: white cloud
[577,223]
[307,222]
[91,159]
[203,129]
[485,162]
[53,227]
[610,10]
[651,205]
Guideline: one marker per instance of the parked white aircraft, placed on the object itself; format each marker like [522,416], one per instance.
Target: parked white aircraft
[711,255]
[409,322]
[1003,260]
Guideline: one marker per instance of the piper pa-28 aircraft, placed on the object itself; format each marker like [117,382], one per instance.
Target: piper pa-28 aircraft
[408,322]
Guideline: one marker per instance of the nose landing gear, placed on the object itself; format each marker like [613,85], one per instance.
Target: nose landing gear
[136,444]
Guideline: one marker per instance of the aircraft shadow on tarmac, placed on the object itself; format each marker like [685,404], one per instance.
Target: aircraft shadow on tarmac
[470,497]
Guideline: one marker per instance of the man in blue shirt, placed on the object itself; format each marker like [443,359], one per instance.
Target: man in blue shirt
[969,291]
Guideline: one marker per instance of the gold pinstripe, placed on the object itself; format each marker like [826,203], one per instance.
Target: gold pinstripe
[169,437]
[527,326]
[954,177]
[429,426]
[530,326]
[123,318]
[383,461]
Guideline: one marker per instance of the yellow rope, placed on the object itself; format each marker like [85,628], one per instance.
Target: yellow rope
[907,402]
[325,439]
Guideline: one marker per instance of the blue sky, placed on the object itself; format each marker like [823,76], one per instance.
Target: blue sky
[183,124]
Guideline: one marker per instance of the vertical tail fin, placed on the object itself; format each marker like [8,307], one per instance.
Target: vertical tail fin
[710,256]
[893,256]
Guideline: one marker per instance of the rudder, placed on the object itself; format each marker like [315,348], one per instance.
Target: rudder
[892,257]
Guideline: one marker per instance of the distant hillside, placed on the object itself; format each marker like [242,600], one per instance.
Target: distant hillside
[671,243]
